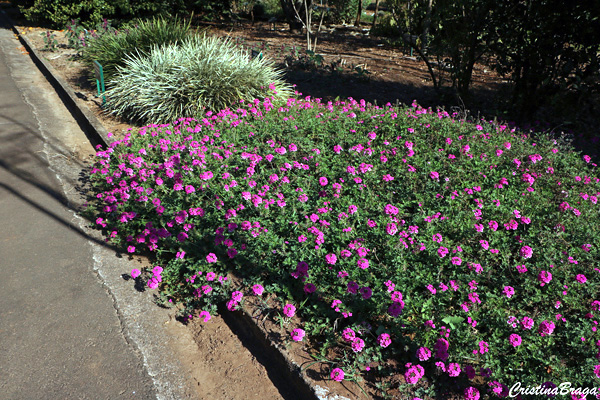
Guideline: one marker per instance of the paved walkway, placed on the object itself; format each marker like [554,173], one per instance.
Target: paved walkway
[60,333]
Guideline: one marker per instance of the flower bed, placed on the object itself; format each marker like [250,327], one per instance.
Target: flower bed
[466,252]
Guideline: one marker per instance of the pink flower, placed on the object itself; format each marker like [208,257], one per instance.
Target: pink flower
[526,252]
[413,373]
[232,305]
[357,345]
[237,296]
[337,374]
[522,269]
[323,181]
[471,393]
[456,260]
[423,354]
[453,369]
[297,334]
[483,347]
[544,277]
[331,258]
[515,340]
[289,310]
[512,225]
[363,263]
[384,340]
[586,247]
[527,323]
[546,328]
[335,303]
[391,229]
[348,334]
[581,278]
[135,273]
[204,315]
[442,252]
[211,257]
[509,291]
[258,289]
[153,283]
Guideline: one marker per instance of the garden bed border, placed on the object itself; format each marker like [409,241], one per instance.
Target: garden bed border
[89,123]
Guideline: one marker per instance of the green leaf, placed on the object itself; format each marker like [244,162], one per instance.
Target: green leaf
[453,321]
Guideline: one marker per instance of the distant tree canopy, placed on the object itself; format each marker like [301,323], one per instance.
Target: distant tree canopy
[546,46]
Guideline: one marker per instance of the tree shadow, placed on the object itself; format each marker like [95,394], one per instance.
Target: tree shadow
[21,164]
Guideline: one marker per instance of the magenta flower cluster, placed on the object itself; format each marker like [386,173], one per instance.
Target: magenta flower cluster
[402,219]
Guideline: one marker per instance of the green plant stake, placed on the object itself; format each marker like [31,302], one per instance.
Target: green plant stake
[100,81]
[256,53]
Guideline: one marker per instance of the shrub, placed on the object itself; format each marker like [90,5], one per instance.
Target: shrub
[57,13]
[465,251]
[137,37]
[181,80]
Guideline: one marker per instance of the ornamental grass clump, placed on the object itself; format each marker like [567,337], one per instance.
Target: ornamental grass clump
[137,37]
[468,253]
[184,79]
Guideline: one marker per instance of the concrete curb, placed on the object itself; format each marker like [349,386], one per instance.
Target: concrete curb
[241,323]
[91,126]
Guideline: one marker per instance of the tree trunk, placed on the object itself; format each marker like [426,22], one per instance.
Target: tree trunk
[375,15]
[426,26]
[358,13]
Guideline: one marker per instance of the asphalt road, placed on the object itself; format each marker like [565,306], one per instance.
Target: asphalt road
[70,326]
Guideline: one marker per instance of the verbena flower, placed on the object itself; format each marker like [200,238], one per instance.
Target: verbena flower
[384,340]
[515,340]
[471,393]
[289,310]
[337,374]
[297,334]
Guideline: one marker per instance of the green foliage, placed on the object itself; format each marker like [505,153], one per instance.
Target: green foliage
[75,34]
[551,49]
[58,13]
[344,11]
[138,37]
[181,80]
[50,42]
[385,26]
[271,8]
[211,10]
